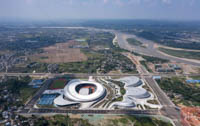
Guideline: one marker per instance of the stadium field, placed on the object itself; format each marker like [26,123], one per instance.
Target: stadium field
[58,84]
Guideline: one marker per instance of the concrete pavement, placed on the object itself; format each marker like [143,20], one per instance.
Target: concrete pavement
[168,109]
[95,75]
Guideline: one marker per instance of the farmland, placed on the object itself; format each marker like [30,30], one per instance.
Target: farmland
[60,53]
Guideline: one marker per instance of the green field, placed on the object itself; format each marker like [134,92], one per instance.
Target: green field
[58,83]
[181,53]
[103,60]
[96,120]
[133,41]
[154,60]
[189,93]
[146,66]
[27,92]
[120,84]
[84,43]
[19,88]
[60,120]
[195,77]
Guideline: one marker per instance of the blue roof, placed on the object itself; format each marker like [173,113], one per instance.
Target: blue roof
[37,81]
[36,86]
[47,99]
[156,77]
[193,81]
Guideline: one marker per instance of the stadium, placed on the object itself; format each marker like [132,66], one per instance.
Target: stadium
[79,91]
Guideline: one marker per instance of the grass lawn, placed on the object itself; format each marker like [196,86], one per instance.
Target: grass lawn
[133,41]
[58,83]
[146,66]
[27,92]
[195,77]
[153,102]
[176,86]
[97,120]
[138,121]
[84,43]
[181,53]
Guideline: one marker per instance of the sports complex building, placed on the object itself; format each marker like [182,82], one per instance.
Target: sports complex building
[79,91]
[91,94]
[134,93]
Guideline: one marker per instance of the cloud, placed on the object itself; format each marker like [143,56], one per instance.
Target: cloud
[105,1]
[127,2]
[120,2]
[28,1]
[166,1]
[192,2]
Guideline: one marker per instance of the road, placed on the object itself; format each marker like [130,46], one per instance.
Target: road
[37,95]
[164,100]
[169,109]
[90,111]
[87,75]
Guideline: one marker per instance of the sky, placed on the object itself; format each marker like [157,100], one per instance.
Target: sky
[100,9]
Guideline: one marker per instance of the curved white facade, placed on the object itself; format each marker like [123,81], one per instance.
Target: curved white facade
[71,93]
[131,81]
[133,92]
[138,93]
[71,96]
[126,103]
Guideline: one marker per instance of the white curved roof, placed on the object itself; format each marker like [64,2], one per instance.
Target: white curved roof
[62,102]
[72,96]
[131,81]
[132,92]
[74,80]
[124,104]
[71,93]
[137,93]
[127,102]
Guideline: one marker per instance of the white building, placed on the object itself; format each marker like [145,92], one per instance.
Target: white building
[134,91]
[78,92]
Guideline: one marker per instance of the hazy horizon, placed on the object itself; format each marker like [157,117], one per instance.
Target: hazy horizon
[99,9]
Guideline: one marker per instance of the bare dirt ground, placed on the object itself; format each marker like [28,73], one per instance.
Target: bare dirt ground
[186,69]
[190,116]
[60,53]
[4,52]
[115,72]
[152,67]
[189,69]
[108,120]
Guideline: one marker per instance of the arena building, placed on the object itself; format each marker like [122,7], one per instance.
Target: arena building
[134,92]
[131,81]
[79,91]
